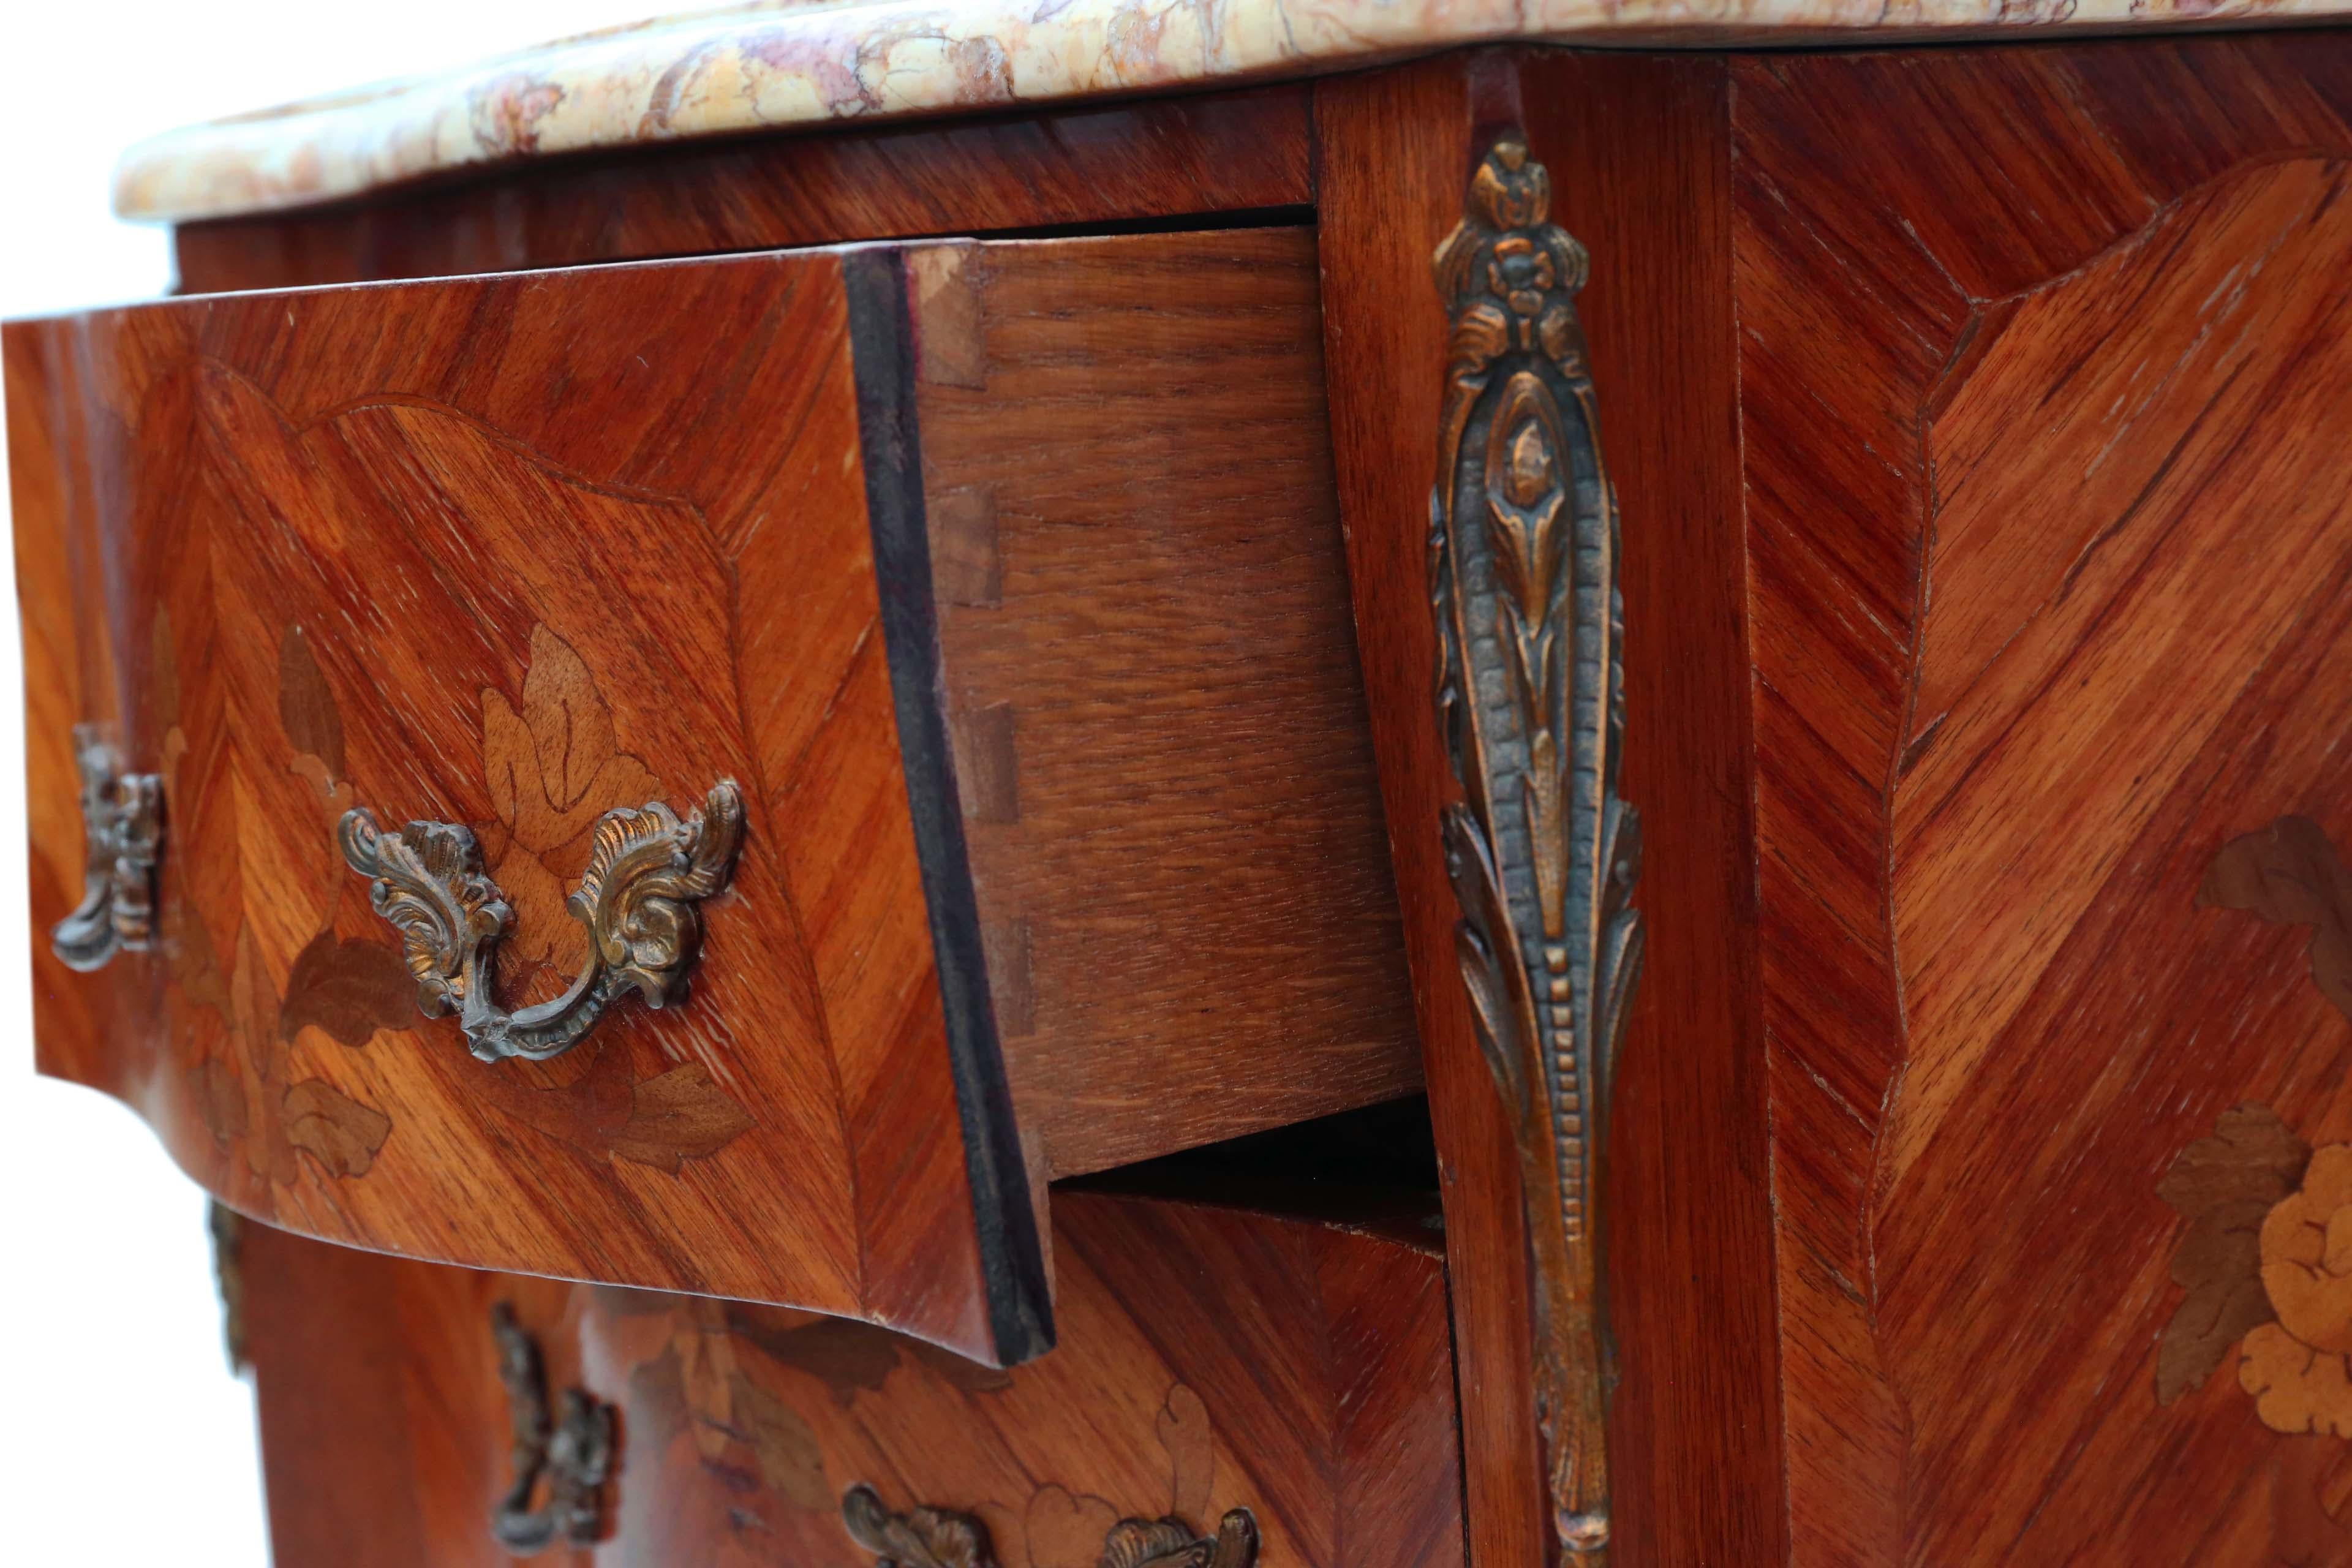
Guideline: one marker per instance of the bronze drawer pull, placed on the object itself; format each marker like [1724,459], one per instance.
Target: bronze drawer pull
[942,1537]
[646,871]
[573,1456]
[122,817]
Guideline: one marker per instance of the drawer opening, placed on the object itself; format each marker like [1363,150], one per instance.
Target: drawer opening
[1379,1160]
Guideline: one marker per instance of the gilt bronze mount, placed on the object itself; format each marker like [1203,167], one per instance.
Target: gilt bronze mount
[563,1462]
[647,871]
[122,824]
[942,1537]
[1542,853]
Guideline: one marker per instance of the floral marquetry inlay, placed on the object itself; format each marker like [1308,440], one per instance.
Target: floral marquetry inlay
[2266,1259]
[560,784]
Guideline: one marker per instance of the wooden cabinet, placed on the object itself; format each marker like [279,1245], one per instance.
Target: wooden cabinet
[1743,645]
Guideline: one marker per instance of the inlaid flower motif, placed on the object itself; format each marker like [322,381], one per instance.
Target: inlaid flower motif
[2299,1367]
[2267,1263]
[2266,1259]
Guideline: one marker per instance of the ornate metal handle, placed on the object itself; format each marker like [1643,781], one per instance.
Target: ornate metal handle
[942,1537]
[122,819]
[573,1456]
[646,871]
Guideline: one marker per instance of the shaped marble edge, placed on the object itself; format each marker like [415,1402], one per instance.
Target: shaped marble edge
[786,63]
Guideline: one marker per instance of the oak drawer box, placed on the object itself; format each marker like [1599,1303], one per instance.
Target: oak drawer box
[1318,1420]
[1002,582]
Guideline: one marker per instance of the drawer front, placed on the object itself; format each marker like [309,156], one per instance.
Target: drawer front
[1211,1359]
[478,553]
[1081,853]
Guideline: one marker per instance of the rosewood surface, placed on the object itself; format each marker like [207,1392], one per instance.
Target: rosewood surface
[1211,1359]
[2049,543]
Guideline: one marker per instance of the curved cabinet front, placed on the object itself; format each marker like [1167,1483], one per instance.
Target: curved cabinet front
[529,570]
[1282,1385]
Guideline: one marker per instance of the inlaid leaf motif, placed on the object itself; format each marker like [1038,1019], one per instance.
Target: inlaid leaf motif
[350,989]
[552,767]
[851,1358]
[1184,1428]
[1064,1530]
[707,1376]
[306,704]
[339,1132]
[570,725]
[791,1462]
[196,966]
[252,1065]
[253,1009]
[2224,1185]
[310,880]
[2219,1264]
[2251,1157]
[2290,874]
[656,1403]
[727,1406]
[680,1115]
[220,1097]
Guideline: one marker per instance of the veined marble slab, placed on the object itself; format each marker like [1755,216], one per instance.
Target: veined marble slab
[784,63]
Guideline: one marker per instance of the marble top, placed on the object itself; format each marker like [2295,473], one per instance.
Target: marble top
[784,63]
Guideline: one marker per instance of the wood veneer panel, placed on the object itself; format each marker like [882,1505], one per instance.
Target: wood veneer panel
[1211,1359]
[498,553]
[1147,660]
[1152,160]
[1833,527]
[1637,150]
[2050,545]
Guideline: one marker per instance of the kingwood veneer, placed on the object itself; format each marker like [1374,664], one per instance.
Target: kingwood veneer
[1792,680]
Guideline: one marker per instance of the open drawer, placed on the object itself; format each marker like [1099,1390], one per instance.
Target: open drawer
[1002,581]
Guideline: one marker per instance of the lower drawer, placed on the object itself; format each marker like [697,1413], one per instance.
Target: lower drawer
[1211,1359]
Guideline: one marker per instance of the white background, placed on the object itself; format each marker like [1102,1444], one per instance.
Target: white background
[126,1441]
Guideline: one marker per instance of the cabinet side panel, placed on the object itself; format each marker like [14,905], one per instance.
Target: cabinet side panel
[2058,1050]
[1845,323]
